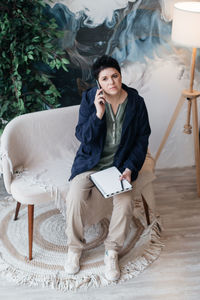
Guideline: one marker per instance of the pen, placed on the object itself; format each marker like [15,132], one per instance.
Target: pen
[122,186]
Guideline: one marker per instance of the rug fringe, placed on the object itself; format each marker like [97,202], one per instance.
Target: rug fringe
[57,281]
[150,254]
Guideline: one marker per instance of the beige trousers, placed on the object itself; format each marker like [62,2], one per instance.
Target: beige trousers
[82,193]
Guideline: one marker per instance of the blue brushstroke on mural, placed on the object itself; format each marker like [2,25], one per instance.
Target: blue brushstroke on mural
[135,33]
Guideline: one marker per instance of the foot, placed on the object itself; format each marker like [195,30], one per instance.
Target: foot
[112,271]
[72,265]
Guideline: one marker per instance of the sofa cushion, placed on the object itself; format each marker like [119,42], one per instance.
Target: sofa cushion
[48,181]
[41,183]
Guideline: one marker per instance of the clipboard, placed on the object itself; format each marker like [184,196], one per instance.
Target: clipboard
[108,183]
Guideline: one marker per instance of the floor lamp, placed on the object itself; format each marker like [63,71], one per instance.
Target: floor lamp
[186,32]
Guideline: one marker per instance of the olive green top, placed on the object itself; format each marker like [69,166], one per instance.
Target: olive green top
[113,136]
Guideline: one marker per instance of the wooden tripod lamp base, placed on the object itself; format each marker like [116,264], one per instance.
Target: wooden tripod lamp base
[192,97]
[186,32]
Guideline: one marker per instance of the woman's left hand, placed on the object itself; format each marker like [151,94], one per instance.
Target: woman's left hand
[126,175]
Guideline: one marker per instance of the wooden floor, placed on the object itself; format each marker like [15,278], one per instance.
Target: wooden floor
[175,275]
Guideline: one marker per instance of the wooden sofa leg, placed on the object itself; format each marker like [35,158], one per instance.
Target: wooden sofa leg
[17,210]
[146,209]
[30,228]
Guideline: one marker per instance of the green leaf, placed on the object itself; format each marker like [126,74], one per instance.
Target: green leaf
[48,92]
[36,39]
[63,66]
[30,56]
[65,61]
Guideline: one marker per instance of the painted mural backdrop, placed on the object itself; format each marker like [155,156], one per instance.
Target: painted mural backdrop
[132,32]
[137,34]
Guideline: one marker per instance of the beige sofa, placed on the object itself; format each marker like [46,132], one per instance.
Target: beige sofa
[37,152]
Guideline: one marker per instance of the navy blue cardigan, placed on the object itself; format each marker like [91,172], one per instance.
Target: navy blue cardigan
[91,132]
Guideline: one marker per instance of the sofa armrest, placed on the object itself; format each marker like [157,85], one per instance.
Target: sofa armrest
[36,137]
[7,172]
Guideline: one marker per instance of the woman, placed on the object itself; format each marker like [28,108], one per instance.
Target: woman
[113,129]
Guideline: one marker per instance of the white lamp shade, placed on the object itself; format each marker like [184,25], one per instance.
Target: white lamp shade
[186,24]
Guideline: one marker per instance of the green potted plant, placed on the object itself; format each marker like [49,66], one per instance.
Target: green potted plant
[28,40]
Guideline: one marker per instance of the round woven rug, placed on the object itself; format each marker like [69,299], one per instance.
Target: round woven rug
[141,248]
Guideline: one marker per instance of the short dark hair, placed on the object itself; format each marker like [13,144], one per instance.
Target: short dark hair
[102,63]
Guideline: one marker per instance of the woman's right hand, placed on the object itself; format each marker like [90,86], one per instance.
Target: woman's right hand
[99,103]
